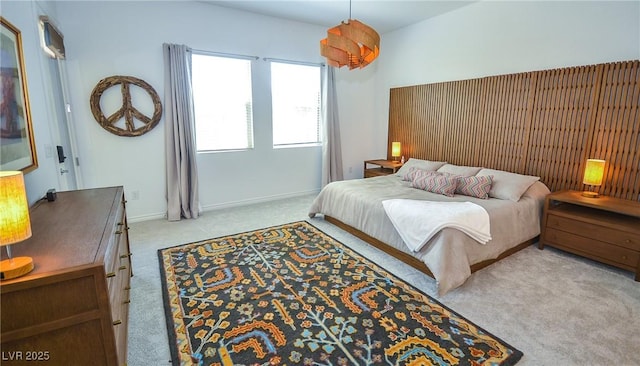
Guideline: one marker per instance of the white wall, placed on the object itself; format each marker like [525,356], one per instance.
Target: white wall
[105,38]
[503,37]
[24,15]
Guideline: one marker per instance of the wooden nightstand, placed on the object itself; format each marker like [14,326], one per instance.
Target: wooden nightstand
[384,167]
[605,229]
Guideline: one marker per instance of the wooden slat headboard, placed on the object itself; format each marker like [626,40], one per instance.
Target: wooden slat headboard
[544,123]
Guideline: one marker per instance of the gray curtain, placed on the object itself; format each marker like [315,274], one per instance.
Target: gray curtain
[331,146]
[180,149]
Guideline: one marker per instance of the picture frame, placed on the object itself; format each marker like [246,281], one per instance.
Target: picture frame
[17,146]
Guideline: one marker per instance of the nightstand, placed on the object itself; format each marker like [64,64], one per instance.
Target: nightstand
[384,167]
[604,229]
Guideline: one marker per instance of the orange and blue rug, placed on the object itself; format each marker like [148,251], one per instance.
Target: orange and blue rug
[293,295]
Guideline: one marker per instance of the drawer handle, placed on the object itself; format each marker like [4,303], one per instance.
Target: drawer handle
[118,232]
[624,257]
[628,241]
[122,256]
[121,268]
[127,288]
[117,322]
[111,274]
[126,302]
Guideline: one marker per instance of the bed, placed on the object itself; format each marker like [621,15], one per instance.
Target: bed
[449,256]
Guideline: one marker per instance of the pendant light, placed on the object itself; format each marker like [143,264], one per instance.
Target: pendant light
[352,43]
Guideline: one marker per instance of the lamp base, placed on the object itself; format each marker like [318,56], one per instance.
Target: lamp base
[15,267]
[590,194]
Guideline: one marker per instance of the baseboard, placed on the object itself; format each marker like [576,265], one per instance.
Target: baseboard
[251,201]
[220,206]
[148,217]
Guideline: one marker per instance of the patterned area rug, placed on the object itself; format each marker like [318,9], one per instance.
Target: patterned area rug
[291,294]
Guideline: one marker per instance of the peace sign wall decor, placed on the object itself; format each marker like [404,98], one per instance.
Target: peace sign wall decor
[127,111]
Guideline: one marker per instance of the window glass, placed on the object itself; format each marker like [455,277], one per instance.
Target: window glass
[222,99]
[295,99]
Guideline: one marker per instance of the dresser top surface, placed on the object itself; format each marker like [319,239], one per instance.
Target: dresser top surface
[72,231]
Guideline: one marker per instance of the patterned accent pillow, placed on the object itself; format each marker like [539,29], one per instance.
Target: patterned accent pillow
[435,182]
[475,186]
[409,174]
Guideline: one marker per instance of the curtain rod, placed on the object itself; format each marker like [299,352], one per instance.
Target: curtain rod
[222,54]
[294,62]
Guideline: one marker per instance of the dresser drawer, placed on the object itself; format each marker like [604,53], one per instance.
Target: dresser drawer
[111,256]
[119,286]
[589,230]
[591,247]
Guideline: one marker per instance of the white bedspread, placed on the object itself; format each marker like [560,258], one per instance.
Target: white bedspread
[417,221]
[450,252]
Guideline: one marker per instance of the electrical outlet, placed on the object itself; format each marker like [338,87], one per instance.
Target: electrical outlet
[135,195]
[350,169]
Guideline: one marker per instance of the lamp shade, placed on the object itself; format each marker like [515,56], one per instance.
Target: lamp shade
[15,225]
[593,172]
[396,148]
[352,43]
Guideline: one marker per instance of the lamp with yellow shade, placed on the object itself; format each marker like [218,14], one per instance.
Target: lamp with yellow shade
[593,173]
[396,150]
[15,225]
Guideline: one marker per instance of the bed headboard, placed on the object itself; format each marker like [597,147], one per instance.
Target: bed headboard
[544,123]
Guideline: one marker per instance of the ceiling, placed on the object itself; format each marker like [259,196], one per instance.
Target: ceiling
[383,16]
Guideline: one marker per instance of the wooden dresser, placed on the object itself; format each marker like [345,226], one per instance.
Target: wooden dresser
[605,229]
[72,309]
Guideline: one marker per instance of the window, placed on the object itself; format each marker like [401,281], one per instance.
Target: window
[222,102]
[295,101]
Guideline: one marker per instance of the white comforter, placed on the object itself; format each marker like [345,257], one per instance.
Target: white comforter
[450,252]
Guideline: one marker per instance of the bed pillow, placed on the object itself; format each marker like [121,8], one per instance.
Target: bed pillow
[475,186]
[507,185]
[435,182]
[465,171]
[419,164]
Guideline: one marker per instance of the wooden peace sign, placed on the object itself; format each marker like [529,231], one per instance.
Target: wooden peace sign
[127,111]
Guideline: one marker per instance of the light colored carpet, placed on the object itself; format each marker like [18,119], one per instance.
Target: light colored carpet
[558,309]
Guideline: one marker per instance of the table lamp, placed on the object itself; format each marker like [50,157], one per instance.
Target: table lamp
[396,150]
[15,225]
[593,173]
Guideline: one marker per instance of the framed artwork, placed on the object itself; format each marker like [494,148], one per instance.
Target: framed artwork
[17,147]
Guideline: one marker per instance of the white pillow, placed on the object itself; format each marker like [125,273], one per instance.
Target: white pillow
[465,171]
[427,165]
[508,186]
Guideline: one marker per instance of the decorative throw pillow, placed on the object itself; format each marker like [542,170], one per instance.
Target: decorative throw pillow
[435,182]
[411,173]
[419,164]
[507,185]
[475,186]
